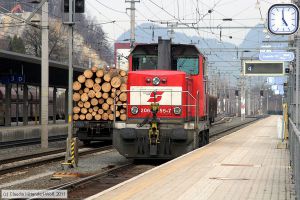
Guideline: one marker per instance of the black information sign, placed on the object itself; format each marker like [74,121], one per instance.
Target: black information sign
[264,68]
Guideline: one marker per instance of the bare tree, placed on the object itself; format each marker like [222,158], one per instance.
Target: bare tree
[32,40]
[91,33]
[57,41]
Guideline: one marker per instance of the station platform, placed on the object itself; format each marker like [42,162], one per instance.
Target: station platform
[247,164]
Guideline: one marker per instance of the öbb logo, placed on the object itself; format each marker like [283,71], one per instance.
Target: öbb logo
[155,96]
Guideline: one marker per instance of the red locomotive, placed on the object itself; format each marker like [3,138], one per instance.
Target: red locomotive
[168,112]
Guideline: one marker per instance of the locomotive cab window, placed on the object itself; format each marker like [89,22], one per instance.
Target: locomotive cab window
[188,65]
[144,62]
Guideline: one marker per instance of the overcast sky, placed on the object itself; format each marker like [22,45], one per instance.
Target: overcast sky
[243,13]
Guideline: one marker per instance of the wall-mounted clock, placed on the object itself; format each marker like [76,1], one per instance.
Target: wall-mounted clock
[283,19]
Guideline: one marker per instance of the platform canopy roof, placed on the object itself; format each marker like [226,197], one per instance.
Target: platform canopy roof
[12,63]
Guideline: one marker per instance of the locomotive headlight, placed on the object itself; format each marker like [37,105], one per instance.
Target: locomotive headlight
[134,110]
[177,111]
[155,81]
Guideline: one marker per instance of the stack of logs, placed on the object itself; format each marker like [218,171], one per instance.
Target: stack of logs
[94,94]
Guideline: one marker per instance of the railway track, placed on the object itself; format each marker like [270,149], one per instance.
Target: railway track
[31,141]
[238,126]
[91,185]
[18,163]
[96,183]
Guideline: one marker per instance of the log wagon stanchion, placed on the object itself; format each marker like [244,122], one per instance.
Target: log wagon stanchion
[94,94]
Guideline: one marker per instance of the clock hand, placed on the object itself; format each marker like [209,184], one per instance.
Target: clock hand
[283,17]
[284,21]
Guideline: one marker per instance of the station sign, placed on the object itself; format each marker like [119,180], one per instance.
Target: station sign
[263,68]
[15,78]
[276,56]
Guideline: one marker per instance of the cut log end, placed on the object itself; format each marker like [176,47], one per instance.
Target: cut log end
[89,83]
[87,104]
[123,117]
[105,106]
[100,73]
[106,87]
[94,102]
[123,73]
[123,97]
[80,104]
[84,97]
[76,86]
[107,77]
[96,87]
[89,116]
[76,96]
[115,82]
[94,69]
[88,73]
[81,78]
[105,116]
[97,117]
[76,110]
[82,117]
[75,117]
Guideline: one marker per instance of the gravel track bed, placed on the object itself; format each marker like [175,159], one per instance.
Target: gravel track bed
[41,175]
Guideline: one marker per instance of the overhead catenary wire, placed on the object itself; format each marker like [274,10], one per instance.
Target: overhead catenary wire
[183,23]
[110,8]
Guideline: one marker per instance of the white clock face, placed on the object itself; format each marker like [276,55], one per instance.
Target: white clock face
[283,19]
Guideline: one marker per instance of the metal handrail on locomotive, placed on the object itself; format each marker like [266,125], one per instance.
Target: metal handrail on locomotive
[168,105]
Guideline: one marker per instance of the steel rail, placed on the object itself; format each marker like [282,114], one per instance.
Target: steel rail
[31,141]
[47,159]
[233,127]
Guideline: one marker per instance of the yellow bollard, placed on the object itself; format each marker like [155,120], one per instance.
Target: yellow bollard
[72,154]
[286,121]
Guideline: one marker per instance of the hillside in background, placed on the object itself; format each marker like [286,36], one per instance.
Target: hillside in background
[219,59]
[89,39]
